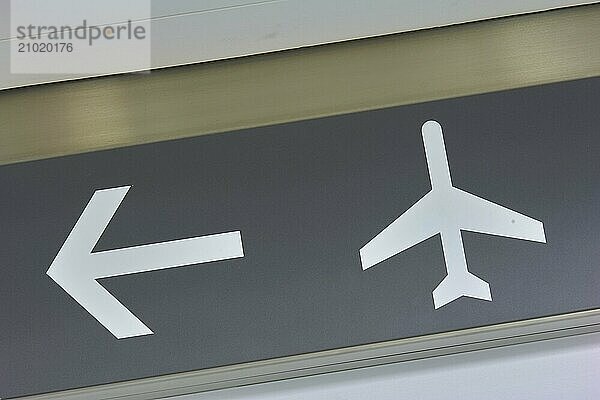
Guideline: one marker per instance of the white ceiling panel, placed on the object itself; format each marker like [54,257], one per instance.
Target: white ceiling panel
[186,31]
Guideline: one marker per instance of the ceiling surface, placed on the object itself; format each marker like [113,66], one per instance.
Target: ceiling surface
[186,32]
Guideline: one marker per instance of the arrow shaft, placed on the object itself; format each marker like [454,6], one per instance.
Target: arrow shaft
[176,253]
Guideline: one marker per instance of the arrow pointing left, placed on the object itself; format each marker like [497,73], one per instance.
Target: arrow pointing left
[76,267]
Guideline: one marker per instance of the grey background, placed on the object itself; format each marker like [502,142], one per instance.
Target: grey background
[306,196]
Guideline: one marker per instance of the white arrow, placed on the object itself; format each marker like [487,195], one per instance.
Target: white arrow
[76,268]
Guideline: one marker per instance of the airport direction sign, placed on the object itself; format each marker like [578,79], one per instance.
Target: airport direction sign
[301,237]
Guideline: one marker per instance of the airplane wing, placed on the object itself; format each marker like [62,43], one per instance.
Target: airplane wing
[483,216]
[411,228]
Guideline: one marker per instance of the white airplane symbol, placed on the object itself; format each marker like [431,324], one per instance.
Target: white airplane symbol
[447,210]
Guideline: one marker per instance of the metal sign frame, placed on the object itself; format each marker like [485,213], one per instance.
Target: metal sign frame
[86,115]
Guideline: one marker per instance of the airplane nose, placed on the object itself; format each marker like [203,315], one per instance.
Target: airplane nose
[431,124]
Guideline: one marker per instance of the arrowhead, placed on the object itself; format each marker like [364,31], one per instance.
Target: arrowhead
[72,268]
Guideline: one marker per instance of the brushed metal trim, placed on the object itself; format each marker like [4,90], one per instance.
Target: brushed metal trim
[99,113]
[343,359]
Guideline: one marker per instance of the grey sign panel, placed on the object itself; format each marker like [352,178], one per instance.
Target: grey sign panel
[305,198]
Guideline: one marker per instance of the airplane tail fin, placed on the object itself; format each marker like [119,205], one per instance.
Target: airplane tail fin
[455,286]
